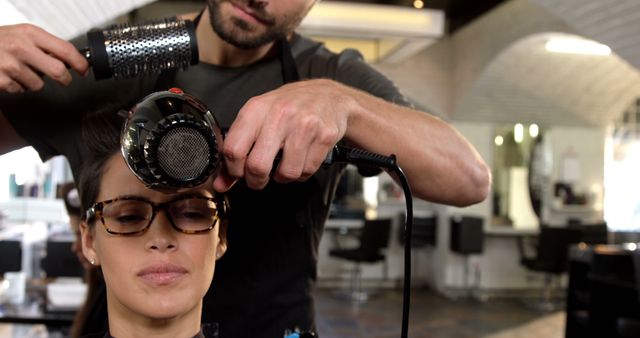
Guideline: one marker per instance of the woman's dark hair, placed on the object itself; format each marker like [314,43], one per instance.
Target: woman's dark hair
[100,132]
[101,135]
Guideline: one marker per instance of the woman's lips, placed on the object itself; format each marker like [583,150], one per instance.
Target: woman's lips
[162,273]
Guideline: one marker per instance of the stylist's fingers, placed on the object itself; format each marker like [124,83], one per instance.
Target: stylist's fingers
[16,88]
[50,66]
[316,155]
[294,154]
[30,80]
[64,52]
[27,52]
[16,72]
[11,86]
[260,160]
[240,138]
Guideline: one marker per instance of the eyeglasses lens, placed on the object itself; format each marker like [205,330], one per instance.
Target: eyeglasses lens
[130,216]
[193,214]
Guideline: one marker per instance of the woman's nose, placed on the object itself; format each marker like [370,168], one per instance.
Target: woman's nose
[161,236]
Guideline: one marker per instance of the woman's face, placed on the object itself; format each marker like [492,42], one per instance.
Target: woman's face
[161,273]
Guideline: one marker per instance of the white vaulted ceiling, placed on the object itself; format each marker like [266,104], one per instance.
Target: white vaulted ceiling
[615,23]
[497,70]
[65,18]
[527,84]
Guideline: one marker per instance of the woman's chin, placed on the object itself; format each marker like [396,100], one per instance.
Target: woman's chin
[164,307]
[164,302]
[163,313]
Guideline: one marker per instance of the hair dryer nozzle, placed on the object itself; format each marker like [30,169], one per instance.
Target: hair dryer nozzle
[171,141]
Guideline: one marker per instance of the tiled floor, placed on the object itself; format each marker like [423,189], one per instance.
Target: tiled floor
[433,316]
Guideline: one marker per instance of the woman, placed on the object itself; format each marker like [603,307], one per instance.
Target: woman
[157,251]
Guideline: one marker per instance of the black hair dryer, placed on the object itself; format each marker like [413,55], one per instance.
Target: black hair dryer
[171,141]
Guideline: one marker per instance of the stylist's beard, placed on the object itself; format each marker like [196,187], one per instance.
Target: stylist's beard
[245,35]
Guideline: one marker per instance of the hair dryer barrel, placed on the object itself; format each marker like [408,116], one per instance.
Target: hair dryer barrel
[125,51]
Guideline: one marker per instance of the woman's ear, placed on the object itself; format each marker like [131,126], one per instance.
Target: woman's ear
[88,244]
[221,249]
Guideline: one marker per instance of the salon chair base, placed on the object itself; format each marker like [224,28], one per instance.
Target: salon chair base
[357,293]
[551,297]
[543,305]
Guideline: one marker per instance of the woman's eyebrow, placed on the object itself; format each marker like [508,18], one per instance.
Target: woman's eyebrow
[192,193]
[133,196]
[127,197]
[176,196]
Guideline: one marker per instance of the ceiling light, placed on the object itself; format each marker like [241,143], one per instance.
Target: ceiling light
[390,33]
[347,19]
[518,133]
[418,4]
[576,46]
[499,140]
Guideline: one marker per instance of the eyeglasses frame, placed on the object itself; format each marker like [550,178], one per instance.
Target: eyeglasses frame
[95,212]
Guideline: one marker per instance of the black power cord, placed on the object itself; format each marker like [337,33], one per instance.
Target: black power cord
[359,156]
[408,226]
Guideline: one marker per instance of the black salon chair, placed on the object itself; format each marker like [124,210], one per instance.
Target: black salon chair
[629,326]
[373,239]
[11,253]
[60,261]
[466,239]
[423,231]
[592,233]
[551,258]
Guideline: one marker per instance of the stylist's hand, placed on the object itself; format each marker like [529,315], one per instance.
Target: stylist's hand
[27,52]
[305,119]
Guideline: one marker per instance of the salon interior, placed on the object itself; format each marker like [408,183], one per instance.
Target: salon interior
[547,91]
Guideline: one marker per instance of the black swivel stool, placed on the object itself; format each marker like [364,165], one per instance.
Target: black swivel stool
[373,239]
[628,324]
[424,233]
[60,261]
[467,235]
[552,259]
[467,238]
[11,256]
[592,233]
[613,296]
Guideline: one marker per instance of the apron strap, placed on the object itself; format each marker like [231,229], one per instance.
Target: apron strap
[289,68]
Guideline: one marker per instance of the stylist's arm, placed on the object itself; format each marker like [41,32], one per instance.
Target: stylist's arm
[27,52]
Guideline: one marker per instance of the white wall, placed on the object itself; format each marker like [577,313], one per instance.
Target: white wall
[499,265]
[585,147]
